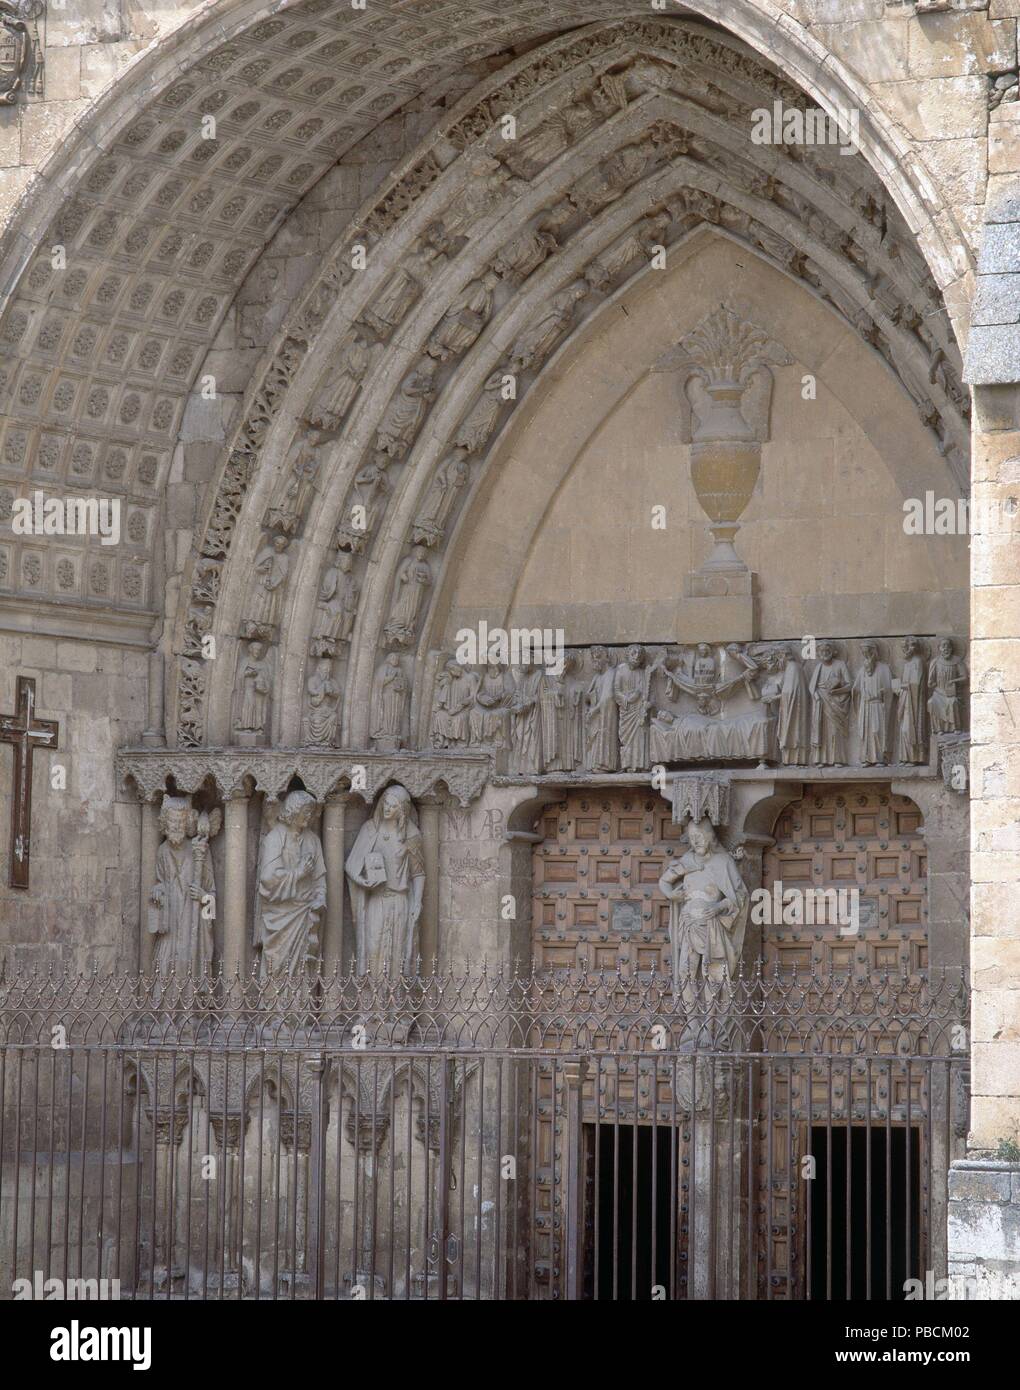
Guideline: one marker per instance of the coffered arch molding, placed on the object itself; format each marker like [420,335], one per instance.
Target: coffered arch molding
[270,59]
[316,342]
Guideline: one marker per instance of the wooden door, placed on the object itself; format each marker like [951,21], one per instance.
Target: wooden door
[859,837]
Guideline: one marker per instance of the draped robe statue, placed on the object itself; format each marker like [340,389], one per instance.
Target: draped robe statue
[291,890]
[601,742]
[630,690]
[792,730]
[525,721]
[386,876]
[708,908]
[390,692]
[873,698]
[945,676]
[184,892]
[911,705]
[830,688]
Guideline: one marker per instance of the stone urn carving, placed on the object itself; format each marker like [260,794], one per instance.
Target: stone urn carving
[725,400]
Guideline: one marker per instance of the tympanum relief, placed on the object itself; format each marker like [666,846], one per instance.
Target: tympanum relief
[762,702]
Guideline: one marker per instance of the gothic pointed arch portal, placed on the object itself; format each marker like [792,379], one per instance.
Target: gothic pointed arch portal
[476,269]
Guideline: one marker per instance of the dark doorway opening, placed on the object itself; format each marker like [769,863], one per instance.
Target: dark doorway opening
[630,1190]
[865,1217]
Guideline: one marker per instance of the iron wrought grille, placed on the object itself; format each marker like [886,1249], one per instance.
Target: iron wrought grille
[478,1134]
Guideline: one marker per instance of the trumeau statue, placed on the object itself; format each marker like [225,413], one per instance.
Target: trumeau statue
[183,895]
[386,876]
[708,908]
[290,890]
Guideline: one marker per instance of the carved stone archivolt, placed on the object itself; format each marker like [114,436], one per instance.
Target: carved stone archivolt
[455,300]
[763,702]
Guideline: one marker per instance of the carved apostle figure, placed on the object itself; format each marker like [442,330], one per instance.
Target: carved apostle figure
[536,342]
[337,606]
[255,682]
[272,565]
[370,485]
[522,256]
[911,689]
[464,320]
[601,726]
[455,696]
[830,688]
[390,692]
[946,674]
[873,699]
[406,410]
[451,475]
[386,877]
[291,890]
[787,689]
[708,908]
[322,719]
[343,384]
[183,895]
[490,716]
[476,427]
[401,290]
[413,578]
[559,703]
[525,720]
[630,690]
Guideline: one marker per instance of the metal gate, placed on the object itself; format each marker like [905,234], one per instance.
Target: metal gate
[559,1135]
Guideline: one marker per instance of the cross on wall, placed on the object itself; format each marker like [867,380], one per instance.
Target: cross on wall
[26,733]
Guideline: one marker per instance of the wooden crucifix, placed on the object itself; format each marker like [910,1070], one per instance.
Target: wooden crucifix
[25,732]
